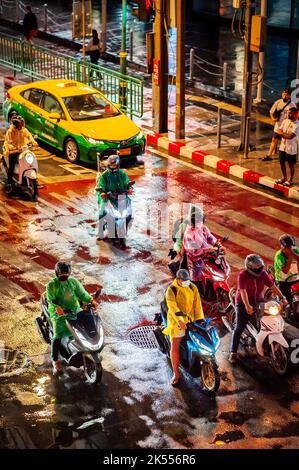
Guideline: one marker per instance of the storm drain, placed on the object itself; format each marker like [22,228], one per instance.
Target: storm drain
[11,359]
[143,337]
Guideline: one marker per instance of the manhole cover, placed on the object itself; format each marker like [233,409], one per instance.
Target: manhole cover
[11,359]
[143,337]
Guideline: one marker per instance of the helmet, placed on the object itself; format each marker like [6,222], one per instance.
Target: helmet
[17,121]
[113,160]
[287,241]
[183,275]
[62,268]
[197,215]
[254,264]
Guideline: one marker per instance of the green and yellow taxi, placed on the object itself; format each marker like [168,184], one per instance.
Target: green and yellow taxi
[75,119]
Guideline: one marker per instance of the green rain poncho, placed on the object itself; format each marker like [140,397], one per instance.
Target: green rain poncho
[66,295]
[112,182]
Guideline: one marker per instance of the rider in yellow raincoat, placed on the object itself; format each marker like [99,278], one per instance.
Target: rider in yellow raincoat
[181,296]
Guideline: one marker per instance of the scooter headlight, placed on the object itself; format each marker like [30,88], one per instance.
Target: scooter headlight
[272,308]
[29,158]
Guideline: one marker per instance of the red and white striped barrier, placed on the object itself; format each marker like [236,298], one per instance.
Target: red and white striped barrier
[225,166]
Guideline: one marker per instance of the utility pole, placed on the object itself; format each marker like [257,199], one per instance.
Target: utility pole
[160,69]
[123,58]
[104,25]
[83,30]
[180,70]
[247,75]
[259,96]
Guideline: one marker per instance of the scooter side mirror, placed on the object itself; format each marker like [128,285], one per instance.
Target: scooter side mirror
[224,239]
[97,293]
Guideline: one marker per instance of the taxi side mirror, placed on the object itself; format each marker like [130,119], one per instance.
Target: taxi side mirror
[54,117]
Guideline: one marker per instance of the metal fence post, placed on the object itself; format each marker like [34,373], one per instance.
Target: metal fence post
[224,83]
[247,137]
[17,11]
[191,72]
[219,127]
[45,17]
[131,45]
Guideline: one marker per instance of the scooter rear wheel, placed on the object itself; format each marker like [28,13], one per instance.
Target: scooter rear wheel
[210,378]
[93,371]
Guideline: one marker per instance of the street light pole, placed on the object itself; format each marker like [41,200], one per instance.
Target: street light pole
[160,69]
[247,76]
[83,30]
[104,25]
[180,70]
[259,96]
[123,53]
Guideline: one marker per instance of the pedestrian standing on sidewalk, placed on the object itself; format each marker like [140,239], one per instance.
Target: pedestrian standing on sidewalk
[278,114]
[30,26]
[288,150]
[94,50]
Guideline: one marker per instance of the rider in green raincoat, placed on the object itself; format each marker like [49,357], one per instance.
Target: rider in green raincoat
[112,180]
[64,295]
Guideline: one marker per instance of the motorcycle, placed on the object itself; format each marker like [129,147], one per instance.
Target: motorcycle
[197,350]
[83,348]
[118,216]
[293,278]
[25,172]
[264,332]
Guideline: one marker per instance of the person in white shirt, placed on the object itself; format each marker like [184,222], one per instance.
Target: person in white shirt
[288,150]
[278,113]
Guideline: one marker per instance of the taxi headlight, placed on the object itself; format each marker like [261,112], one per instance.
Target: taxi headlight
[93,141]
[140,135]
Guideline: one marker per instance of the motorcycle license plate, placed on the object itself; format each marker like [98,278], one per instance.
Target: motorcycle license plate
[124,151]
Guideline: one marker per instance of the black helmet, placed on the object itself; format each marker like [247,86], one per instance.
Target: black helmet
[62,268]
[183,275]
[17,121]
[113,160]
[197,215]
[287,241]
[254,264]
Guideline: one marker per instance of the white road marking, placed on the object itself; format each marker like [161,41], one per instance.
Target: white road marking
[280,215]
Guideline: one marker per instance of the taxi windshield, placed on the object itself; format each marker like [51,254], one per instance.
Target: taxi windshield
[89,106]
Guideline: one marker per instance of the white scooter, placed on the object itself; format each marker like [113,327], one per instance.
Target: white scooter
[25,172]
[265,332]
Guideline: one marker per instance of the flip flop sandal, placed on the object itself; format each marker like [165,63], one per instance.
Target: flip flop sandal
[175,382]
[280,181]
[288,184]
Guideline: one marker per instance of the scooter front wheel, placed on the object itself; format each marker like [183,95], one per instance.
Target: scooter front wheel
[279,358]
[93,371]
[210,377]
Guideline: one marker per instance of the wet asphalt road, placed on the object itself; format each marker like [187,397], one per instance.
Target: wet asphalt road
[134,406]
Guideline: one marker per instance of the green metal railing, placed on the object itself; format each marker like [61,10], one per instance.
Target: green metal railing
[41,63]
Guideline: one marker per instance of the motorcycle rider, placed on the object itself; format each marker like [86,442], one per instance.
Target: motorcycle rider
[286,263]
[198,241]
[250,287]
[64,294]
[114,179]
[185,300]
[16,137]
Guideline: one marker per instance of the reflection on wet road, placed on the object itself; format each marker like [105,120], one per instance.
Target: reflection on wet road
[134,406]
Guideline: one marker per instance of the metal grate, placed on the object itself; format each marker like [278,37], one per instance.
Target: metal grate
[143,337]
[11,359]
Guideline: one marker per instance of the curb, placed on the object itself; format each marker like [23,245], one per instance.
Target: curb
[180,149]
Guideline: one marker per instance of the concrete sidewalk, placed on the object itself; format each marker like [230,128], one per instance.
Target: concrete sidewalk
[200,144]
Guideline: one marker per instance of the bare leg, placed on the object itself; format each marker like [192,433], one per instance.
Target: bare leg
[292,172]
[175,357]
[273,146]
[283,169]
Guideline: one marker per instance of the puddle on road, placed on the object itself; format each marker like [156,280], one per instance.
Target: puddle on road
[228,436]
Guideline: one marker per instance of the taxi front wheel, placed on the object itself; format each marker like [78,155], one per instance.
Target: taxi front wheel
[71,151]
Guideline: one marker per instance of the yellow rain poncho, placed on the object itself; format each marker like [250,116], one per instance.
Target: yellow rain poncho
[186,300]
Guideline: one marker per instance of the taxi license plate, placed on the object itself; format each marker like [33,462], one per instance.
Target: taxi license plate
[124,151]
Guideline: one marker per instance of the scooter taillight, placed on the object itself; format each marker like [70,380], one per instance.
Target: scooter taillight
[295,288]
